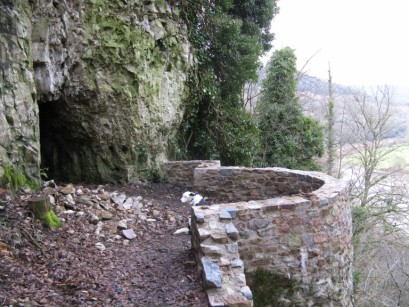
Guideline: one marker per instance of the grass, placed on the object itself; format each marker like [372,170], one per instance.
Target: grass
[397,158]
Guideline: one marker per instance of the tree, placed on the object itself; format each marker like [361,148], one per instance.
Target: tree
[228,38]
[288,138]
[370,122]
[330,137]
[379,200]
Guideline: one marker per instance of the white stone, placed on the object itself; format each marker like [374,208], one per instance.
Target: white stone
[121,225]
[183,230]
[100,246]
[52,199]
[69,199]
[129,234]
[119,200]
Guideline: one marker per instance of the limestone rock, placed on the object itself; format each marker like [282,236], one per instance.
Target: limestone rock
[94,219]
[203,234]
[237,300]
[121,225]
[232,248]
[232,231]
[183,230]
[225,215]
[237,263]
[212,274]
[129,234]
[106,215]
[107,100]
[199,216]
[49,190]
[219,237]
[247,292]
[232,211]
[104,196]
[211,250]
[68,189]
[119,199]
[100,246]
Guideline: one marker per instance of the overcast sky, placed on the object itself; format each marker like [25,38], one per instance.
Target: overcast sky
[365,41]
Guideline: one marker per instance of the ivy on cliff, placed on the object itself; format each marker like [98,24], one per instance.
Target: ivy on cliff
[228,38]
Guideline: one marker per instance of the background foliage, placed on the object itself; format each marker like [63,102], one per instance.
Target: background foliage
[228,37]
[288,138]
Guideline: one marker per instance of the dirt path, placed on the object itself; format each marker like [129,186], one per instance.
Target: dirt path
[40,267]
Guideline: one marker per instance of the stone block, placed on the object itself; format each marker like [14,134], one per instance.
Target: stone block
[232,211]
[270,207]
[224,262]
[237,263]
[294,241]
[295,221]
[199,217]
[215,301]
[258,223]
[203,234]
[323,202]
[237,300]
[266,232]
[287,206]
[212,275]
[232,248]
[232,232]
[225,215]
[247,292]
[320,238]
[308,240]
[211,250]
[220,238]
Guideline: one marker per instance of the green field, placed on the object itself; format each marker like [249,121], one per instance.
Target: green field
[398,157]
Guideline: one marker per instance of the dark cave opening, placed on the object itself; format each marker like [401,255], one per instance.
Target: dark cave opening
[51,140]
[61,144]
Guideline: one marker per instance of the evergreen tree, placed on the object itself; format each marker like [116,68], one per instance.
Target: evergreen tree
[228,38]
[288,138]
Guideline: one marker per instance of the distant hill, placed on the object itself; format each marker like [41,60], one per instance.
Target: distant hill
[318,86]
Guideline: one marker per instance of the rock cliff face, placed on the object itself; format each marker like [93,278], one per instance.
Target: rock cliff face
[19,129]
[101,80]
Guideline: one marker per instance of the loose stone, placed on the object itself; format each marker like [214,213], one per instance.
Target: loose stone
[121,225]
[100,246]
[106,215]
[68,189]
[129,234]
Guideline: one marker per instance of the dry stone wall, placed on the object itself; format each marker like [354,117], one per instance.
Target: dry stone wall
[294,224]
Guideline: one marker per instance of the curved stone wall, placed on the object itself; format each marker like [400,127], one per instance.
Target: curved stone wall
[301,230]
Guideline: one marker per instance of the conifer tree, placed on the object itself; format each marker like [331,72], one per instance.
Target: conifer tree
[288,138]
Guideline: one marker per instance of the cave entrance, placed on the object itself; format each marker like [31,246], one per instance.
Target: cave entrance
[60,143]
[51,140]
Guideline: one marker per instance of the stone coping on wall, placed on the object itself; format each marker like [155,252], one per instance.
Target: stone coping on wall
[302,228]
